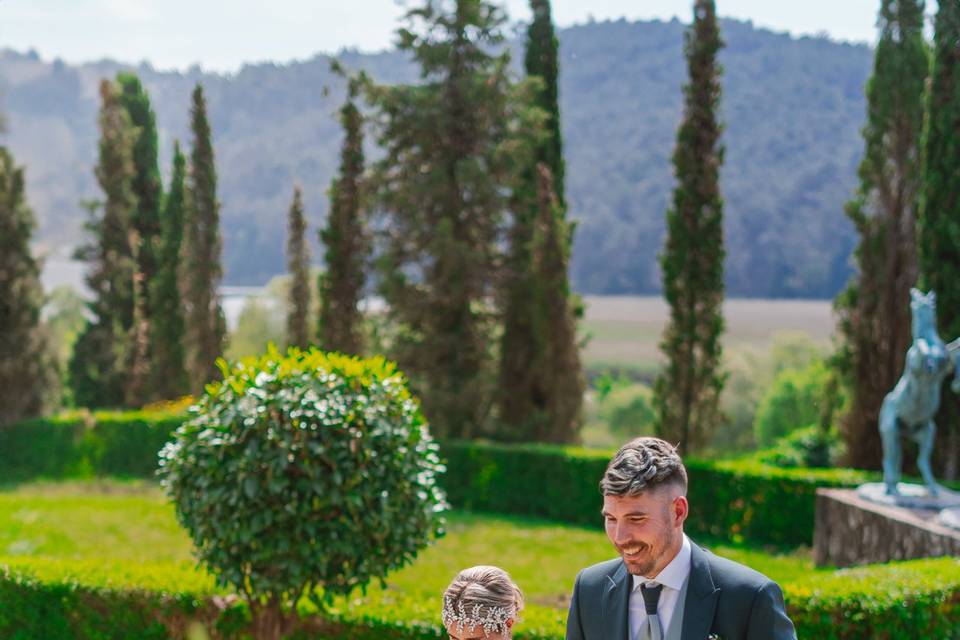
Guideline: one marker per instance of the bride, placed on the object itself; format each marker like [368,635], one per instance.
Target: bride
[481,602]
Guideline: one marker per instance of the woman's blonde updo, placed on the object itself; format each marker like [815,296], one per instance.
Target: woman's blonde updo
[482,597]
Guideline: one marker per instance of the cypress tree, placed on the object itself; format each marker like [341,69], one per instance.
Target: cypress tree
[526,382]
[202,270]
[146,185]
[102,351]
[298,256]
[937,227]
[346,241]
[559,382]
[687,391]
[874,310]
[169,372]
[28,377]
[441,183]
[542,61]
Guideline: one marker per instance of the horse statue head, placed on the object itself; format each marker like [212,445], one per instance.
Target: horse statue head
[923,308]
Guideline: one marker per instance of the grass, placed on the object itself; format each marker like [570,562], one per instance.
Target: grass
[123,535]
[132,523]
[626,330]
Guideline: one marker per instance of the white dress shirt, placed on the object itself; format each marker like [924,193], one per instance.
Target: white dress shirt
[673,576]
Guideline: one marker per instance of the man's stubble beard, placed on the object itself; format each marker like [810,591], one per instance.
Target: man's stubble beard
[661,546]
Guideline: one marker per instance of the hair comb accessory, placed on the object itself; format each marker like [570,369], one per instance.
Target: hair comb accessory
[494,621]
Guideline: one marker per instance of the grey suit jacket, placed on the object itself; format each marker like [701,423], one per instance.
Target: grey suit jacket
[723,598]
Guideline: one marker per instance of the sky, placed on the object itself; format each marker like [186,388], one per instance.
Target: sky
[222,35]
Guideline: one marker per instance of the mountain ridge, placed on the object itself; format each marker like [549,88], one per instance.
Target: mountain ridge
[793,107]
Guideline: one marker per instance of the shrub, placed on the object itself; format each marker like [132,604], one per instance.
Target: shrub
[304,471]
[806,447]
[81,444]
[60,600]
[794,400]
[628,410]
[750,371]
[902,600]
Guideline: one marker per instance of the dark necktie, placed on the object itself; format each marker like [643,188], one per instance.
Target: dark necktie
[651,630]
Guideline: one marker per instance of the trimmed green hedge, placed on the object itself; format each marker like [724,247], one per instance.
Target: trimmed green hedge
[915,599]
[61,600]
[80,444]
[732,500]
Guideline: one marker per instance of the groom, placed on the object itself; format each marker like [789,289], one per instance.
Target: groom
[664,587]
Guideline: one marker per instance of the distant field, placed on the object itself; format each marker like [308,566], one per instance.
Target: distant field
[626,330]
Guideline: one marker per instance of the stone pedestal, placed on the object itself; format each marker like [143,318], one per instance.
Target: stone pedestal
[850,530]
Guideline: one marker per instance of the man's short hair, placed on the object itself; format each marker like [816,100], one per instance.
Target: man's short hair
[643,464]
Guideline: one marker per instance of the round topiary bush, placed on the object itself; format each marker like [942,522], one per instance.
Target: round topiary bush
[303,471]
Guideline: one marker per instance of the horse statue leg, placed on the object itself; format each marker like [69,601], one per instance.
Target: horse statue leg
[925,437]
[890,435]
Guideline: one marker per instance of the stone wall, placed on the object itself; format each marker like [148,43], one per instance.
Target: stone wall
[851,531]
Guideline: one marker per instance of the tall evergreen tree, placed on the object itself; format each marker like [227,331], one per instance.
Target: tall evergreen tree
[28,376]
[97,367]
[298,257]
[938,229]
[346,241]
[542,61]
[202,247]
[169,370]
[146,185]
[526,381]
[687,392]
[559,381]
[441,183]
[874,311]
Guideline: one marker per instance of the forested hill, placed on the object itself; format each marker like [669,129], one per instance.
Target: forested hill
[793,109]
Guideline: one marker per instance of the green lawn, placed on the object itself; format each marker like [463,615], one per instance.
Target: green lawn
[132,523]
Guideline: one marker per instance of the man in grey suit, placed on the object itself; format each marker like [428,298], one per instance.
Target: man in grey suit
[664,587]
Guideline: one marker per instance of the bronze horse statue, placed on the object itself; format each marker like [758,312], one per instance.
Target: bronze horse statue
[909,409]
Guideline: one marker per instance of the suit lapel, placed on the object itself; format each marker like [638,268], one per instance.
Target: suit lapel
[702,595]
[614,607]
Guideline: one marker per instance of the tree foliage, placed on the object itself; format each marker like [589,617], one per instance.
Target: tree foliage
[442,187]
[146,185]
[793,109]
[298,256]
[167,325]
[202,245]
[539,375]
[307,471]
[874,310]
[559,382]
[687,392]
[542,60]
[346,240]
[28,373]
[938,226]
[97,368]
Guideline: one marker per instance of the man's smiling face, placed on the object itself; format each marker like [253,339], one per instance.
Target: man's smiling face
[647,528]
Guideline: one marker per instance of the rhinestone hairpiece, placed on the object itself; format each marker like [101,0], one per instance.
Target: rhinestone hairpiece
[495,620]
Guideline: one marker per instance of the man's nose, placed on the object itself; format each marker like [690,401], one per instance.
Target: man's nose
[621,534]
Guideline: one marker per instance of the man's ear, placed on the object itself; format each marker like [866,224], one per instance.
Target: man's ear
[681,509]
